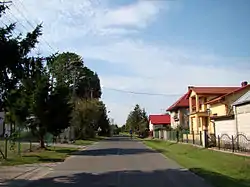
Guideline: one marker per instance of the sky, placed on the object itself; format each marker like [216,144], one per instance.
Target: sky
[146,46]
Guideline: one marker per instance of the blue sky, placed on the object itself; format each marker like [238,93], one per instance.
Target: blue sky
[146,46]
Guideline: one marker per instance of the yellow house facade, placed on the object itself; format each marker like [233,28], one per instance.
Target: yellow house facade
[200,110]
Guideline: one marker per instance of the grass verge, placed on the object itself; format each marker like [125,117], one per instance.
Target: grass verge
[220,169]
[55,154]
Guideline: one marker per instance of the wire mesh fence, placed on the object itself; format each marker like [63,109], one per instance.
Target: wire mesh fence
[11,148]
[19,143]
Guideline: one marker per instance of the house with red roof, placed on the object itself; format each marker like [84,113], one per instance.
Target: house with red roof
[222,114]
[159,121]
[207,104]
[179,113]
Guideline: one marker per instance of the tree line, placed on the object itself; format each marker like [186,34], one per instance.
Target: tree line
[50,93]
[137,121]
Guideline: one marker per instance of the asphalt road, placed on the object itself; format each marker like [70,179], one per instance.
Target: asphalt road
[119,162]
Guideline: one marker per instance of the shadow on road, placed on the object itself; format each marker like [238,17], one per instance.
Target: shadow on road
[44,159]
[114,151]
[157,178]
[120,138]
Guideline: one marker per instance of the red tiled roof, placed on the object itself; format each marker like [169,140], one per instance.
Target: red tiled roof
[213,90]
[217,99]
[182,102]
[160,119]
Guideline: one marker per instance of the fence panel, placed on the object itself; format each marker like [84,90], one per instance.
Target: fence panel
[242,143]
[179,136]
[156,134]
[191,138]
[237,143]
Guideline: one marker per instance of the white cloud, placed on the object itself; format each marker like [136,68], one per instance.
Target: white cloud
[135,15]
[98,31]
[84,17]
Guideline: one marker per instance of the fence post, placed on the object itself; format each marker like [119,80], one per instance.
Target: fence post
[19,140]
[187,138]
[200,138]
[218,141]
[232,143]
[193,137]
[30,146]
[177,135]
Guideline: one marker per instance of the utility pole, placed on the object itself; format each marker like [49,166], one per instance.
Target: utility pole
[71,128]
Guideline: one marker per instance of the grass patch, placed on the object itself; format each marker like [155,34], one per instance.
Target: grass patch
[220,169]
[84,142]
[57,154]
[89,141]
[12,149]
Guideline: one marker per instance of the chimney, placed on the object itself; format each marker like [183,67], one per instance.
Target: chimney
[244,83]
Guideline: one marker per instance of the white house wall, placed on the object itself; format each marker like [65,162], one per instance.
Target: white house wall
[151,126]
[225,127]
[243,119]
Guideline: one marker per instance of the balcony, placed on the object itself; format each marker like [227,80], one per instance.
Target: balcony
[176,118]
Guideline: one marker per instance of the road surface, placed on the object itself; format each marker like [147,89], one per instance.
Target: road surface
[119,162]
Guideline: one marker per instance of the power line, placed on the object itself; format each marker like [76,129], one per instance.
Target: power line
[31,25]
[143,93]
[5,2]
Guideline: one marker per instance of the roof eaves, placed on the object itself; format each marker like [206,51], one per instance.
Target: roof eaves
[218,99]
[174,106]
[245,99]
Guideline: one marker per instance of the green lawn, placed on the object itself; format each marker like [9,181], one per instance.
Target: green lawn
[57,154]
[221,169]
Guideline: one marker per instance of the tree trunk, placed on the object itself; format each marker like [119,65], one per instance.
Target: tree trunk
[42,143]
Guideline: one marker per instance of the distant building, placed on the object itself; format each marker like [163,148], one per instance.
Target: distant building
[179,112]
[159,121]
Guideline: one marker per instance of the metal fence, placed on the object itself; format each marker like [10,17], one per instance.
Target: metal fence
[179,136]
[20,143]
[233,143]
[194,138]
[237,143]
[11,148]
